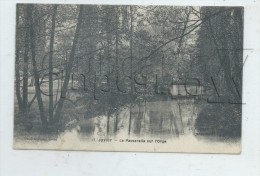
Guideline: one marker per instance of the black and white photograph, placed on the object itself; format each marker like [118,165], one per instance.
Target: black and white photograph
[136,78]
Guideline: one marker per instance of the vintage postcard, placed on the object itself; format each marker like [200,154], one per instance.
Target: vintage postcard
[128,78]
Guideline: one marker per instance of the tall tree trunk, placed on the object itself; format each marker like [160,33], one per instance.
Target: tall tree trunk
[17,80]
[130,120]
[69,68]
[17,69]
[131,49]
[35,72]
[108,120]
[117,64]
[25,65]
[131,66]
[50,64]
[117,42]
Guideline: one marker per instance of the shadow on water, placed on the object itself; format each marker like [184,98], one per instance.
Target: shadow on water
[151,119]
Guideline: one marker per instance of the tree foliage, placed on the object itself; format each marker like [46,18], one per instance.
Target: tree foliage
[122,55]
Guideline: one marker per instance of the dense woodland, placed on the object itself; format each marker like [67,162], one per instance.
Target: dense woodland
[75,61]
